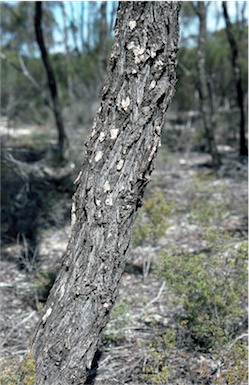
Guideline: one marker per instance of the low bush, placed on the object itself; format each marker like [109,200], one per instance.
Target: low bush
[152,222]
[211,290]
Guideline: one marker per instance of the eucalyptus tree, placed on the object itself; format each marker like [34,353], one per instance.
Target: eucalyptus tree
[237,76]
[62,138]
[207,111]
[119,159]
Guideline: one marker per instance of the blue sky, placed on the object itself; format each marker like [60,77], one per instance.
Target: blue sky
[215,18]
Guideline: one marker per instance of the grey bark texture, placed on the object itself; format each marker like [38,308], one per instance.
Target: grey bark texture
[205,98]
[118,162]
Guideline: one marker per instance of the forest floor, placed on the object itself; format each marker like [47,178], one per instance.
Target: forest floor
[36,228]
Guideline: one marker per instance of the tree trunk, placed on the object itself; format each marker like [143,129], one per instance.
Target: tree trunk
[74,29]
[119,160]
[237,79]
[62,139]
[67,56]
[205,99]
[103,33]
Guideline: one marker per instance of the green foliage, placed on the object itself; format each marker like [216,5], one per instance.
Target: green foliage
[8,373]
[43,282]
[210,288]
[235,371]
[12,373]
[205,204]
[151,222]
[157,371]
[27,370]
[118,320]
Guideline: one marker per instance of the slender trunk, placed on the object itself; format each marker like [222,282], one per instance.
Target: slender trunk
[237,79]
[205,100]
[51,78]
[103,33]
[82,13]
[67,57]
[119,159]
[73,29]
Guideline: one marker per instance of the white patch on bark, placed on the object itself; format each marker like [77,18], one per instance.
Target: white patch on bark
[98,202]
[100,108]
[101,136]
[106,305]
[93,132]
[107,186]
[120,164]
[125,103]
[73,214]
[108,201]
[62,291]
[98,156]
[114,133]
[78,177]
[152,85]
[152,153]
[159,64]
[138,52]
[152,54]
[46,315]
[132,24]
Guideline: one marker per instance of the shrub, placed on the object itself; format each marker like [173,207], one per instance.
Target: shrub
[157,370]
[151,223]
[12,373]
[211,290]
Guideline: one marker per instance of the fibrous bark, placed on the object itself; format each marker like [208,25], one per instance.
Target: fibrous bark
[118,162]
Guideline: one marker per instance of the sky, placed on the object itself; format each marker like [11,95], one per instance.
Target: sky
[215,18]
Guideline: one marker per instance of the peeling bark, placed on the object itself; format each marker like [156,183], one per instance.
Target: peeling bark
[119,159]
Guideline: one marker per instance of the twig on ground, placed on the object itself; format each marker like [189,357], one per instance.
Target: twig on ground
[156,299]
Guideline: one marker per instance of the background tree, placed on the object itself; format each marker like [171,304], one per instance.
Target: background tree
[117,167]
[237,78]
[204,92]
[62,138]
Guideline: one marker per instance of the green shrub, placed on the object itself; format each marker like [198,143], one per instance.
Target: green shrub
[211,290]
[152,218]
[12,373]
[235,366]
[157,370]
[43,282]
[8,371]
[118,320]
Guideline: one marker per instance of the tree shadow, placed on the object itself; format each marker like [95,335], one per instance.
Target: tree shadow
[94,368]
[28,201]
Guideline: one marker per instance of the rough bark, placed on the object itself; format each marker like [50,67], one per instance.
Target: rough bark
[205,100]
[62,139]
[119,159]
[237,79]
